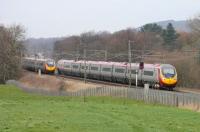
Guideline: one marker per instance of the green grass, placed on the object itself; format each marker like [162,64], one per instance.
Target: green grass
[22,112]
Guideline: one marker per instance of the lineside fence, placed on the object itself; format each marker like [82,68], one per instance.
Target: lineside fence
[170,98]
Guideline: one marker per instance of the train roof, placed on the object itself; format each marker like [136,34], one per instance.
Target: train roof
[66,60]
[38,59]
[122,64]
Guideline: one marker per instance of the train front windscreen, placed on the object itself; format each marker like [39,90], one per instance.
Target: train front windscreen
[51,63]
[168,72]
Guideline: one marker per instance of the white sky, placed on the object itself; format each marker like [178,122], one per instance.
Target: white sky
[56,18]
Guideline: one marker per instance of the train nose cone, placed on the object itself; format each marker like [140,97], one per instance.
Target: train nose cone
[172,81]
[169,81]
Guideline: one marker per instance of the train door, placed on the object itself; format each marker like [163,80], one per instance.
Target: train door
[95,71]
[148,76]
[76,69]
[106,72]
[83,70]
[67,68]
[119,73]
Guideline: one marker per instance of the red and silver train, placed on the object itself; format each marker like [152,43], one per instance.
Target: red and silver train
[157,75]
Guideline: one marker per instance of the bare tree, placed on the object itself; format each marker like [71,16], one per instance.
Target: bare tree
[195,25]
[11,39]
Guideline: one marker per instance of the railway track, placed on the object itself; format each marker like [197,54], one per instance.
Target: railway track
[108,83]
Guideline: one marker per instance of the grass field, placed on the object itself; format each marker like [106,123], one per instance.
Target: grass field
[22,112]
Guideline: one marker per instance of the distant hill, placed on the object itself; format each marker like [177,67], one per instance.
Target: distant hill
[46,45]
[182,25]
[40,45]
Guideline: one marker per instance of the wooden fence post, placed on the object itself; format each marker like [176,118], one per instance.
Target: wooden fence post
[146,92]
[198,104]
[177,103]
[39,72]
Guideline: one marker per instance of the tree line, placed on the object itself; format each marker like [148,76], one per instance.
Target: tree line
[150,37]
[11,39]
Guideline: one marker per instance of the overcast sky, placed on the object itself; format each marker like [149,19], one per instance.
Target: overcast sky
[56,18]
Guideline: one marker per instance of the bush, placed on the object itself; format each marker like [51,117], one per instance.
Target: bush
[188,73]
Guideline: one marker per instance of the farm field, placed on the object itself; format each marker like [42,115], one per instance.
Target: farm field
[23,112]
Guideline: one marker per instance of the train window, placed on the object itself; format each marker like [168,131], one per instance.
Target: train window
[148,73]
[132,71]
[41,64]
[106,69]
[75,66]
[67,66]
[168,72]
[119,70]
[50,63]
[25,62]
[83,67]
[94,68]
